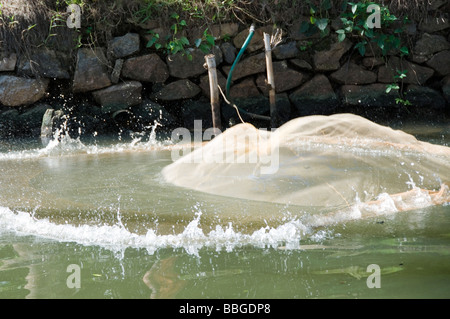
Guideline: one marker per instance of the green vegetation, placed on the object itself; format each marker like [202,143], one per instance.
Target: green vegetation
[354,19]
[355,24]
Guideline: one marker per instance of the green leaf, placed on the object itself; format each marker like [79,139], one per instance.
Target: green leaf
[404,51]
[322,23]
[158,46]
[354,8]
[198,42]
[210,39]
[391,87]
[369,33]
[184,41]
[326,5]
[341,37]
[175,49]
[304,27]
[313,20]
[361,46]
[151,42]
[204,48]
[183,23]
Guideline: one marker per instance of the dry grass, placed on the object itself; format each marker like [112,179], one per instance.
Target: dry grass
[27,23]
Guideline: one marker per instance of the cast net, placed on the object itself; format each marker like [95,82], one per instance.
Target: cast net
[321,161]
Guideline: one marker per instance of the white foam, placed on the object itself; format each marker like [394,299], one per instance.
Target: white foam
[289,234]
[62,144]
[116,237]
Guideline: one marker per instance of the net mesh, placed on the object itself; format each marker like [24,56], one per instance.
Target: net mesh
[321,161]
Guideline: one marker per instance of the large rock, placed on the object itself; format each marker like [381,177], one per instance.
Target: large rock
[257,41]
[351,73]
[440,62]
[119,96]
[328,60]
[315,97]
[301,64]
[91,71]
[7,61]
[244,89]
[373,95]
[17,91]
[229,52]
[425,97]
[120,47]
[415,74]
[251,65]
[427,45]
[372,62]
[434,24]
[180,66]
[146,68]
[286,51]
[178,90]
[285,78]
[45,63]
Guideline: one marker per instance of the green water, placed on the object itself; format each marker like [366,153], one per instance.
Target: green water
[414,264]
[106,210]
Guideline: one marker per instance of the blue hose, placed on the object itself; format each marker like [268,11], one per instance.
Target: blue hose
[230,75]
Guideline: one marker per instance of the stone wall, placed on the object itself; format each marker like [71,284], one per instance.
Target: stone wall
[125,85]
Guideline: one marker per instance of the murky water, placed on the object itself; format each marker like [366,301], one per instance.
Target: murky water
[104,208]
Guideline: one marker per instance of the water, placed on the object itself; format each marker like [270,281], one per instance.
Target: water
[104,206]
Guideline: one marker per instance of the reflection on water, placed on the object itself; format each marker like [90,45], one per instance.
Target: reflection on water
[106,207]
[411,250]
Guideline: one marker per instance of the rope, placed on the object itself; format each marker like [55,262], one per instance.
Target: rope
[232,104]
[238,109]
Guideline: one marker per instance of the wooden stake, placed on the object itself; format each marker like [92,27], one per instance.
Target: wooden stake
[214,91]
[271,82]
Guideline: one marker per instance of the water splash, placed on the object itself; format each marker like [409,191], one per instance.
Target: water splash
[117,237]
[290,234]
[62,144]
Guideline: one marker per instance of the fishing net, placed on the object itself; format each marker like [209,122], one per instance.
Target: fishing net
[321,161]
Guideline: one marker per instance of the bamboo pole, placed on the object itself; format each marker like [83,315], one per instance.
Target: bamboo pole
[214,91]
[271,82]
